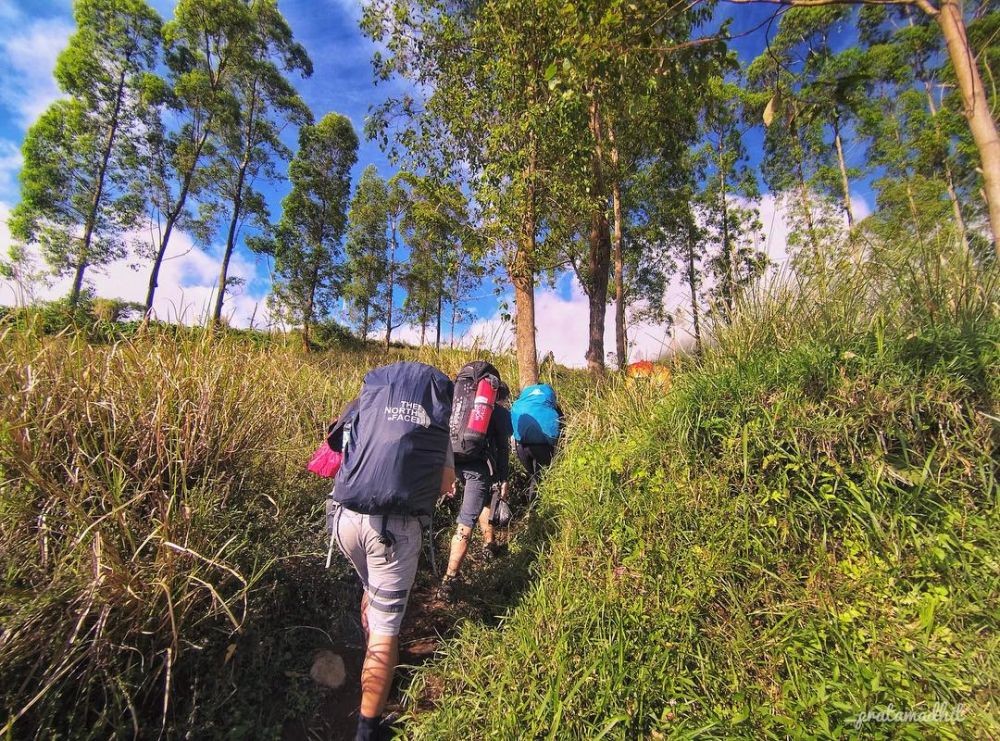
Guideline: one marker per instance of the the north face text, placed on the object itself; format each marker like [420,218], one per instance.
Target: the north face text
[407,411]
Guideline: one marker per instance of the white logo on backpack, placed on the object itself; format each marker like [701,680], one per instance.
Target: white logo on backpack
[408,411]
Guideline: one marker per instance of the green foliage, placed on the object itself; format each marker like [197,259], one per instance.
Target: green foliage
[313,219]
[804,528]
[249,146]
[81,160]
[367,246]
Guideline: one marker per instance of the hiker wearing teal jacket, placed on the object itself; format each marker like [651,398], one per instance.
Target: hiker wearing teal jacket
[537,420]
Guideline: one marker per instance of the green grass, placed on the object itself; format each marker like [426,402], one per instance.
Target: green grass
[160,540]
[805,528]
[802,529]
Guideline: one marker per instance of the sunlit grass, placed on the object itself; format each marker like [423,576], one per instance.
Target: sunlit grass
[804,528]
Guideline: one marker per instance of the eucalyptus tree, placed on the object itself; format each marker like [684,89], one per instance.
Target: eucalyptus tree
[915,131]
[727,195]
[78,199]
[437,229]
[249,143]
[797,162]
[307,240]
[950,17]
[397,202]
[636,75]
[486,110]
[367,244]
[203,52]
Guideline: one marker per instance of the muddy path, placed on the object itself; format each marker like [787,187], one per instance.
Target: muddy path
[489,588]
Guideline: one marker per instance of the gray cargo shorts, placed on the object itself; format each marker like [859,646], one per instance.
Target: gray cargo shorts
[387,571]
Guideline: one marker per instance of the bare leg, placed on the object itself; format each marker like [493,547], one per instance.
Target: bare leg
[376,674]
[364,612]
[486,526]
[459,547]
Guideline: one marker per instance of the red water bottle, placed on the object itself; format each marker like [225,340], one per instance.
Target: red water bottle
[482,410]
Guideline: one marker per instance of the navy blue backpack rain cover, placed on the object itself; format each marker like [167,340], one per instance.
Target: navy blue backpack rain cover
[395,450]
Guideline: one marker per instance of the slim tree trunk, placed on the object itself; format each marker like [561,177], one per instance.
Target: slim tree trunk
[976,108]
[600,249]
[956,207]
[727,249]
[522,274]
[364,321]
[95,204]
[844,182]
[692,277]
[440,309]
[454,316]
[307,314]
[230,245]
[389,291]
[621,338]
[173,216]
[251,117]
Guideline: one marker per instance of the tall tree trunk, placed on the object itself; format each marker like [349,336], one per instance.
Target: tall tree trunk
[173,216]
[364,321]
[454,303]
[621,337]
[389,291]
[692,279]
[95,204]
[844,182]
[956,207]
[729,282]
[522,274]
[440,308]
[307,315]
[454,317]
[599,259]
[976,108]
[423,329]
[230,245]
[251,118]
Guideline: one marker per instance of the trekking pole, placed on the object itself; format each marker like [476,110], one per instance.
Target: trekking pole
[430,548]
[333,532]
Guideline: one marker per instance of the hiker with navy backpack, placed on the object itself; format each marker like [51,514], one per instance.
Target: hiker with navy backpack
[396,462]
[480,438]
[537,421]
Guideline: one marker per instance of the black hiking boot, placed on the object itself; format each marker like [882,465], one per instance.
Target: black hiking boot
[370,729]
[446,590]
[494,550]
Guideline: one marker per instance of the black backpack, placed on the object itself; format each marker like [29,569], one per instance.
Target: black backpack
[469,447]
[395,442]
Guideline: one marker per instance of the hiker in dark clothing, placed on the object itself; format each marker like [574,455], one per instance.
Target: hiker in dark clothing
[537,422]
[478,476]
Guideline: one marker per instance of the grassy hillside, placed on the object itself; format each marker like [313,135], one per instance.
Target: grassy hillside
[160,541]
[804,529]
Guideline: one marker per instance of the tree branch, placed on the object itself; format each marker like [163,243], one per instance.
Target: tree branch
[924,5]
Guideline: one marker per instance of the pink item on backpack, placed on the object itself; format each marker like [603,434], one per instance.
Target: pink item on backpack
[325,461]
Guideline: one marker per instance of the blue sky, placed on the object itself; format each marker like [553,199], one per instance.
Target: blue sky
[35,31]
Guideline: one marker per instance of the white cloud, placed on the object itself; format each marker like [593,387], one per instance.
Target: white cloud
[27,59]
[562,329]
[10,164]
[186,290]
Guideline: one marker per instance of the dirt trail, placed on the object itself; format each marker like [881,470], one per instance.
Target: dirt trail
[488,589]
